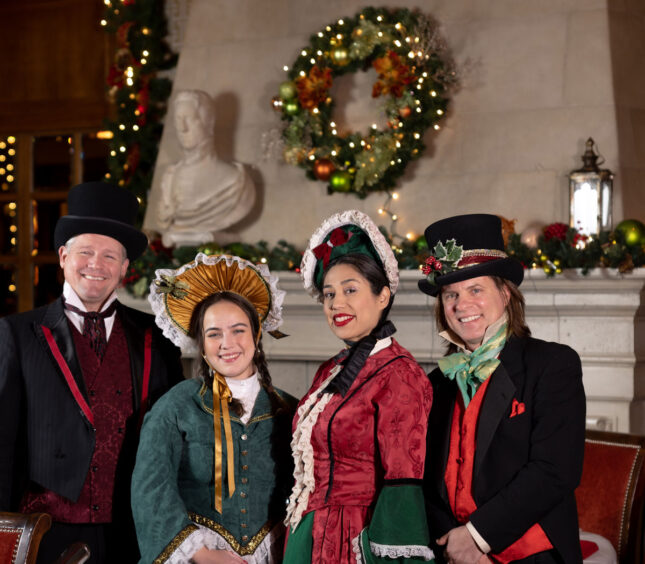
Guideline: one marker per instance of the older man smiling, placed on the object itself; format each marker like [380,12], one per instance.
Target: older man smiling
[75,378]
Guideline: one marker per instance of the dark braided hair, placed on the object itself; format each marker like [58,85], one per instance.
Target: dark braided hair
[259,360]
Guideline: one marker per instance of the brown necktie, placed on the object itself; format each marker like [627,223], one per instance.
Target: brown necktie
[94,326]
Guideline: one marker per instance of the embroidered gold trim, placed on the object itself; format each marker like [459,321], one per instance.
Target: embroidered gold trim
[174,544]
[242,550]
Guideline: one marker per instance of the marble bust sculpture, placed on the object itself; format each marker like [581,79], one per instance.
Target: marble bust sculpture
[200,195]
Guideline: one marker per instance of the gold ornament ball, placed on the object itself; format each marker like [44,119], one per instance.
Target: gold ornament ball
[287,90]
[340,56]
[633,231]
[291,107]
[323,169]
[341,181]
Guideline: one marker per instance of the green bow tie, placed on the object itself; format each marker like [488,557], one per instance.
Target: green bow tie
[471,370]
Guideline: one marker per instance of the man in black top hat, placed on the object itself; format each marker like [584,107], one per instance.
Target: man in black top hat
[506,431]
[76,377]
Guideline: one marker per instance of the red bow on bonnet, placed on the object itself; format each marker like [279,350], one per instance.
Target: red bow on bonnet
[337,238]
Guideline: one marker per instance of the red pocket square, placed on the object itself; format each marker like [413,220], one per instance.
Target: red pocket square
[517,408]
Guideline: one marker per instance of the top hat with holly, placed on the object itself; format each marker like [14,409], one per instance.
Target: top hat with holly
[464,247]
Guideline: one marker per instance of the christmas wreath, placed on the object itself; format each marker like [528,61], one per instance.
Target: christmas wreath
[415,77]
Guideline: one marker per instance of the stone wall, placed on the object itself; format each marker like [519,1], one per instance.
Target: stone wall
[541,78]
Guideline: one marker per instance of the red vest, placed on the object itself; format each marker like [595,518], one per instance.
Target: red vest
[459,478]
[109,389]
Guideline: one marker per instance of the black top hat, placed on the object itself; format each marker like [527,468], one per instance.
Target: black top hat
[480,236]
[104,209]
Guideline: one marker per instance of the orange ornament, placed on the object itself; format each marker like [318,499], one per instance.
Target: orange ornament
[323,169]
[405,112]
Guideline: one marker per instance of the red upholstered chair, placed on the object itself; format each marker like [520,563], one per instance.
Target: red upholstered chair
[611,495]
[20,536]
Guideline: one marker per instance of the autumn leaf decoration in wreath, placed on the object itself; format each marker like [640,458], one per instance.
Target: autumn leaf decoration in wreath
[415,78]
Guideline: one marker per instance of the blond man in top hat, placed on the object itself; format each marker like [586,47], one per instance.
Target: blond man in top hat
[506,432]
[76,377]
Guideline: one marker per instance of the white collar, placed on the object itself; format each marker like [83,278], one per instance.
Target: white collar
[71,297]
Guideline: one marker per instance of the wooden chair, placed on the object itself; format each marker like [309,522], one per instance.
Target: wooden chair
[611,495]
[75,554]
[20,536]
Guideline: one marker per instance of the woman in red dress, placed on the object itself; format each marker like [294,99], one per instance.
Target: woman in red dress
[360,432]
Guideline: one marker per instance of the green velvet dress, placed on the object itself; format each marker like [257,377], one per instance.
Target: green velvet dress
[173,486]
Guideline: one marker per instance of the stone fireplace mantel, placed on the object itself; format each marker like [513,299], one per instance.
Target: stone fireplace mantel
[600,315]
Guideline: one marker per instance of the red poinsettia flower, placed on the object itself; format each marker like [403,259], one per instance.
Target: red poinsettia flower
[556,231]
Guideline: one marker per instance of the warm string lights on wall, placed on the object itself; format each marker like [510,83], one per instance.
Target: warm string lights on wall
[139,95]
[386,210]
[9,209]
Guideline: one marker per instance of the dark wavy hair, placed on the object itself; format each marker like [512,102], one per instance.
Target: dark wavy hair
[515,311]
[259,360]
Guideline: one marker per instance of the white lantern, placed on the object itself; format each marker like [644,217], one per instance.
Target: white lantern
[590,192]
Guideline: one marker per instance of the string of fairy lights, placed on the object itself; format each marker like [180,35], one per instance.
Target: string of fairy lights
[7,182]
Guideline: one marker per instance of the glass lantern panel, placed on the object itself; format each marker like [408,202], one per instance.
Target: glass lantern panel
[53,162]
[46,214]
[585,203]
[9,228]
[8,164]
[605,219]
[48,283]
[8,290]
[96,152]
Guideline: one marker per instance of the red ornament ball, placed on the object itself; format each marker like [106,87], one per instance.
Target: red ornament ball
[323,169]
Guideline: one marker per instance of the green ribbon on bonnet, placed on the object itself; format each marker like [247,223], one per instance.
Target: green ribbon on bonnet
[471,370]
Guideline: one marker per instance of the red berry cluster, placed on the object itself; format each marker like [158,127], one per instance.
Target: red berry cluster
[432,264]
[132,275]
[579,237]
[556,231]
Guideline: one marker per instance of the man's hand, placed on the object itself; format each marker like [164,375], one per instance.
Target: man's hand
[461,548]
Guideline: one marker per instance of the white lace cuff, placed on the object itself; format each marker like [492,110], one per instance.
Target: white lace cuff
[269,551]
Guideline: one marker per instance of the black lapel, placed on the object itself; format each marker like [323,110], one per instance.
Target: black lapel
[443,406]
[133,336]
[499,396]
[56,320]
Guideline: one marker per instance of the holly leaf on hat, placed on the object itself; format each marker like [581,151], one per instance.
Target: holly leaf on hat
[454,252]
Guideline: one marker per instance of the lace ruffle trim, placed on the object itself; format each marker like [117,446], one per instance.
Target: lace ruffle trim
[354,217]
[303,453]
[269,551]
[391,551]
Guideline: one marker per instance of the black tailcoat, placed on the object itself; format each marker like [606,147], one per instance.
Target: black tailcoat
[526,467]
[44,435]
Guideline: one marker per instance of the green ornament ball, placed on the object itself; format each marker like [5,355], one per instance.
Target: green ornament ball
[633,231]
[421,244]
[287,90]
[291,107]
[341,181]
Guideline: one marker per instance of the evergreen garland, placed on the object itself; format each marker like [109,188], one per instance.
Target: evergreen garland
[137,91]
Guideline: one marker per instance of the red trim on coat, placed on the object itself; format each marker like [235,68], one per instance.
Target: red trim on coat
[147,363]
[69,378]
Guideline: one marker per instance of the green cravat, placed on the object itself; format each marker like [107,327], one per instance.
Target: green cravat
[471,370]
